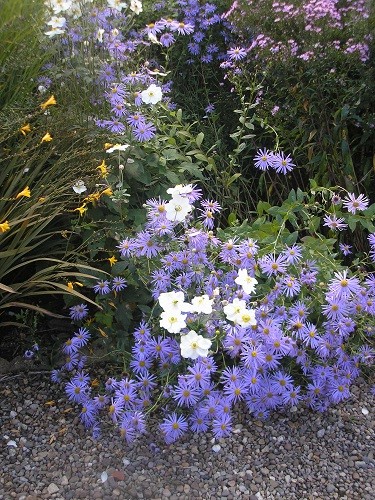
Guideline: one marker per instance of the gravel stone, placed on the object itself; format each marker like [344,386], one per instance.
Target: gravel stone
[282,458]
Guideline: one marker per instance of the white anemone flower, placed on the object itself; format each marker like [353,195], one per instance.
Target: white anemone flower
[117,4]
[180,190]
[234,309]
[57,22]
[245,318]
[152,95]
[174,302]
[247,282]
[202,304]
[54,32]
[79,187]
[153,38]
[173,322]
[194,346]
[117,147]
[60,5]
[136,6]
[177,209]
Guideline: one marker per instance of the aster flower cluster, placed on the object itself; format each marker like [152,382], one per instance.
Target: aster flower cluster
[234,321]
[265,159]
[273,38]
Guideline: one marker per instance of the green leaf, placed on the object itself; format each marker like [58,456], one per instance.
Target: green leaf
[233,178]
[232,219]
[199,139]
[262,207]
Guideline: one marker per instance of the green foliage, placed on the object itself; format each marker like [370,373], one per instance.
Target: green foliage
[21,55]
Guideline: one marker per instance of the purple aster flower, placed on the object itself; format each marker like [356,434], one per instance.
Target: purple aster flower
[290,286]
[126,247]
[145,244]
[210,108]
[280,382]
[144,132]
[173,427]
[334,223]
[136,120]
[119,284]
[71,361]
[113,125]
[281,163]
[237,53]
[88,413]
[272,265]
[198,421]
[185,394]
[345,248]
[342,286]
[127,430]
[207,58]
[81,337]
[222,426]
[29,354]
[235,391]
[253,356]
[167,39]
[263,159]
[338,390]
[371,239]
[76,391]
[291,396]
[71,346]
[198,377]
[116,409]
[352,204]
[56,376]
[293,254]
[102,287]
[100,401]
[142,333]
[182,28]
[78,312]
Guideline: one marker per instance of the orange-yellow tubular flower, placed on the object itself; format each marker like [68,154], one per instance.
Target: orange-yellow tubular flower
[50,102]
[46,138]
[103,169]
[25,128]
[25,192]
[112,260]
[107,191]
[82,209]
[4,226]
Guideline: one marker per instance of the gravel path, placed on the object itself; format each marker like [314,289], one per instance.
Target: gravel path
[300,455]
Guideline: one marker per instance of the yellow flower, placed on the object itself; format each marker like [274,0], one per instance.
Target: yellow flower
[107,145]
[82,209]
[92,197]
[71,284]
[112,260]
[26,192]
[46,138]
[107,191]
[26,128]
[103,169]
[50,102]
[4,226]
[41,199]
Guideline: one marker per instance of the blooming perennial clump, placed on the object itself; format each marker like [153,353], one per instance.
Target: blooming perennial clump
[233,321]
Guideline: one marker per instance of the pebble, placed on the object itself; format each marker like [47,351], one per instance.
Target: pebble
[53,488]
